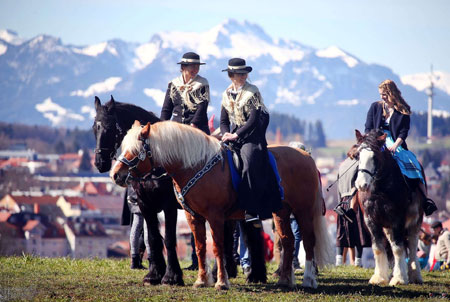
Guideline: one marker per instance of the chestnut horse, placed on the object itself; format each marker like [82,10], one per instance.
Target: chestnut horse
[183,151]
[392,211]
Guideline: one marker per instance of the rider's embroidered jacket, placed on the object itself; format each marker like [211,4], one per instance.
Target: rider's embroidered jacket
[187,103]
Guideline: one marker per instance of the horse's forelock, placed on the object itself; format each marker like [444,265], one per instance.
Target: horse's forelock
[130,142]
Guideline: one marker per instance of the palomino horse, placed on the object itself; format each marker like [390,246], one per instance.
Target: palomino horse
[183,151]
[391,210]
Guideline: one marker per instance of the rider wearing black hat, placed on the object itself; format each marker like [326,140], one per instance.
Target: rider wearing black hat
[243,120]
[187,96]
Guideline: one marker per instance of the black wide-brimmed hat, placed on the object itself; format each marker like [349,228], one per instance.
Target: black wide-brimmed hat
[237,65]
[436,224]
[190,58]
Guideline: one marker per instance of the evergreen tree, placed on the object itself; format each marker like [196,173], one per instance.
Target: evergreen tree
[85,164]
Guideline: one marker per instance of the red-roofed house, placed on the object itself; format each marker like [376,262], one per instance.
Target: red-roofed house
[12,240]
[35,204]
[4,216]
[87,238]
[87,188]
[74,206]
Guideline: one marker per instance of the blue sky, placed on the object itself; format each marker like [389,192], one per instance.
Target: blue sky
[406,36]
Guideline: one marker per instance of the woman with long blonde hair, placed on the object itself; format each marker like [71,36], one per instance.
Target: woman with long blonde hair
[392,115]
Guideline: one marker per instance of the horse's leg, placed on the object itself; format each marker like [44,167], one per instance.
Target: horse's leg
[254,241]
[197,225]
[415,214]
[230,264]
[381,273]
[173,275]
[306,224]
[400,272]
[283,226]
[157,264]
[217,232]
[414,274]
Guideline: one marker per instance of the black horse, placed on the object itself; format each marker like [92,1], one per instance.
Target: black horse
[155,194]
[392,210]
[155,191]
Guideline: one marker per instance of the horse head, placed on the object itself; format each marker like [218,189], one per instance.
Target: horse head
[368,150]
[135,161]
[107,132]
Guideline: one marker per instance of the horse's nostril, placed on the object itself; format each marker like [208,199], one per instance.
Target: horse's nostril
[115,176]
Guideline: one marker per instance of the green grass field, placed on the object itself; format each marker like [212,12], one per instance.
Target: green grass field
[64,279]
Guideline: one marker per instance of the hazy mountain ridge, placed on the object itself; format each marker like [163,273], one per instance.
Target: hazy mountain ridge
[46,82]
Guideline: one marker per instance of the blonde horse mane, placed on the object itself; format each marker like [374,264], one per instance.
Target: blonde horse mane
[172,142]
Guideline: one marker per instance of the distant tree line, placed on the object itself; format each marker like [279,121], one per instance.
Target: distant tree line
[45,139]
[441,125]
[311,133]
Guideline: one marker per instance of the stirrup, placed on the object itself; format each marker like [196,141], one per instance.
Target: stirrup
[339,209]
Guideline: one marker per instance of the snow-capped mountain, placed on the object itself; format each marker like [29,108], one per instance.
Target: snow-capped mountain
[46,82]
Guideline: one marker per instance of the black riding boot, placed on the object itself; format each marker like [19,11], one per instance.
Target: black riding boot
[429,207]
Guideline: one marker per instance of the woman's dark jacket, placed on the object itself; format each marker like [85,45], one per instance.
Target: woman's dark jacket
[181,114]
[398,125]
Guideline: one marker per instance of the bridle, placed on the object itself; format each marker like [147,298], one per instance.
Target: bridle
[118,138]
[370,173]
[133,163]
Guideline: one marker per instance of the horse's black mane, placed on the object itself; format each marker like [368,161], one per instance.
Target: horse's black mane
[372,141]
[130,110]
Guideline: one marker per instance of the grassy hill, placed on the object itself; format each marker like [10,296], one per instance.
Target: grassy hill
[64,279]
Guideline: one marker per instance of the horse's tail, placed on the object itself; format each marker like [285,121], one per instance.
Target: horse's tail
[323,249]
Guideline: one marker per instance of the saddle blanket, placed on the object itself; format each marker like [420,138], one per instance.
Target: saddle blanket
[236,177]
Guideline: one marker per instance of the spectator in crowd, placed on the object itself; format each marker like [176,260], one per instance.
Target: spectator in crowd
[442,246]
[424,247]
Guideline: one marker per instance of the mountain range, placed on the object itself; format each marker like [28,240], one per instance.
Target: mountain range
[44,81]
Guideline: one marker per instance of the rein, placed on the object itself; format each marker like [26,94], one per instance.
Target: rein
[180,196]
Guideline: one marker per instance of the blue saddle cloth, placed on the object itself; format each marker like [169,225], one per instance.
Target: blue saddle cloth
[406,160]
[236,177]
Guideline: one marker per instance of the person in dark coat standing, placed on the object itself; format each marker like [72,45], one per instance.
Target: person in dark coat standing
[186,102]
[187,96]
[392,116]
[243,121]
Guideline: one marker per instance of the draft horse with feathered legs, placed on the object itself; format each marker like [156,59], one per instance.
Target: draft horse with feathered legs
[392,211]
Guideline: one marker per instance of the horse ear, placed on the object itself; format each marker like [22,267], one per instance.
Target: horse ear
[111,104]
[136,123]
[382,137]
[358,135]
[145,132]
[97,103]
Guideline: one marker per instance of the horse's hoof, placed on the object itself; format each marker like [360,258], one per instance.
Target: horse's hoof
[256,278]
[199,284]
[416,279]
[397,281]
[285,283]
[309,282]
[173,280]
[148,281]
[378,280]
[221,286]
